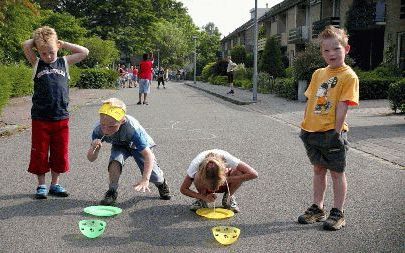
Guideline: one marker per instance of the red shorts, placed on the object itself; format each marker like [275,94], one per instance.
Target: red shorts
[50,146]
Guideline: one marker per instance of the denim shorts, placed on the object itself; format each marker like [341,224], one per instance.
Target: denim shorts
[327,149]
[121,153]
[144,86]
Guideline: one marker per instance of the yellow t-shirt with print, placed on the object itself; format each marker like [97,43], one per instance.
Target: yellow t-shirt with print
[328,87]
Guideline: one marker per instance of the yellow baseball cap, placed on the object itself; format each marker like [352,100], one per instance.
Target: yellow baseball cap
[116,112]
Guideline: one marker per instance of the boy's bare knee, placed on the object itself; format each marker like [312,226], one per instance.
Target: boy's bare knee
[336,175]
[320,170]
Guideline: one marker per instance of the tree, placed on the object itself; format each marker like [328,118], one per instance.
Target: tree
[173,42]
[307,62]
[66,26]
[271,59]
[102,52]
[211,29]
[209,43]
[21,18]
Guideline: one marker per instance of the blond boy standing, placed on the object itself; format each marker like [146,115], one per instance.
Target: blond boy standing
[324,130]
[49,112]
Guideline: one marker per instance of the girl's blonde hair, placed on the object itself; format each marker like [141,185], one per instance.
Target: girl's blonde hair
[44,36]
[211,172]
[333,32]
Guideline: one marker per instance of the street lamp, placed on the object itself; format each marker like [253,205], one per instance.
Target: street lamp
[158,51]
[255,58]
[195,59]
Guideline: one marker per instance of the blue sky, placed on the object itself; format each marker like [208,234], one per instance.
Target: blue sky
[227,15]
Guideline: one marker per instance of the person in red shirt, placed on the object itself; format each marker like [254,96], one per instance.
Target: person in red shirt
[135,76]
[145,77]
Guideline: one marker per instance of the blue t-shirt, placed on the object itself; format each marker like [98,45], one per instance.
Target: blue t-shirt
[130,134]
[51,90]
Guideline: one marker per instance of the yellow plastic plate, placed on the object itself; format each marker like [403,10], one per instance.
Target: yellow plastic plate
[219,213]
[226,235]
[103,210]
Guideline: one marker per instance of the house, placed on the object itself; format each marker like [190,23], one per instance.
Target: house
[297,22]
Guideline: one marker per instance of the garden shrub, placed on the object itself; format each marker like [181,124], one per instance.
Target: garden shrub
[286,88]
[271,59]
[240,72]
[373,86]
[307,62]
[387,71]
[97,78]
[74,73]
[243,83]
[289,72]
[5,87]
[20,78]
[264,83]
[219,68]
[219,80]
[396,96]
[207,71]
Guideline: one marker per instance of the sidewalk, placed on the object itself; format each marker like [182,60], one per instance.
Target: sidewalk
[374,129]
[16,116]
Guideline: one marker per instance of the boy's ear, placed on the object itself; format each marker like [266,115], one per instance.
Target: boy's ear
[347,48]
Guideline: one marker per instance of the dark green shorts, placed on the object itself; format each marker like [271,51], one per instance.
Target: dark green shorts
[326,148]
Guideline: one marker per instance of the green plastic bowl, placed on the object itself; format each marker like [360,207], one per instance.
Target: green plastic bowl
[92,228]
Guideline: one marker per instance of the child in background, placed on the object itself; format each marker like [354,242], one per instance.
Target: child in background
[229,71]
[324,130]
[50,117]
[128,138]
[145,75]
[216,171]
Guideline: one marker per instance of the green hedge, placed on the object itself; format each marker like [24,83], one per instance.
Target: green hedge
[374,88]
[97,78]
[396,96]
[207,71]
[243,83]
[20,78]
[218,80]
[286,88]
[74,73]
[5,87]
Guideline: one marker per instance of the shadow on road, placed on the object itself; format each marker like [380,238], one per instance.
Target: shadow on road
[358,133]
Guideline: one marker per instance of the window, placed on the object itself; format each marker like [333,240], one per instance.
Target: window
[402,12]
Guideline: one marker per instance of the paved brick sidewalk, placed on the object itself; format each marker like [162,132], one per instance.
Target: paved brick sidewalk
[374,129]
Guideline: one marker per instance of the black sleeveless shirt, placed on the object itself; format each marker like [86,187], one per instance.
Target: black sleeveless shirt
[51,91]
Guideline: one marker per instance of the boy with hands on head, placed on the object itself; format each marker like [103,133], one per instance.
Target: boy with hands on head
[128,138]
[50,117]
[324,130]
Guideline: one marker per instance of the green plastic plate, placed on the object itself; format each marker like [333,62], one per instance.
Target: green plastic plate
[103,210]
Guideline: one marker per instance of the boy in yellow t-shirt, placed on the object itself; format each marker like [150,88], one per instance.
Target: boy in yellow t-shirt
[324,130]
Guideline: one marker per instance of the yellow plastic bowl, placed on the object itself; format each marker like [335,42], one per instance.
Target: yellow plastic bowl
[226,235]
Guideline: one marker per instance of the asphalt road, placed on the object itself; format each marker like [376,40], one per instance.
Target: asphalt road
[184,121]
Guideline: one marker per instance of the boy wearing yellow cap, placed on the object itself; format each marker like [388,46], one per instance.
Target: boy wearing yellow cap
[128,138]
